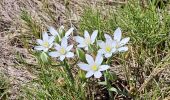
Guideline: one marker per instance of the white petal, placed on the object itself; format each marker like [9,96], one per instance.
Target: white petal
[39,41]
[107,55]
[64,42]
[113,50]
[123,49]
[86,34]
[69,47]
[53,31]
[45,36]
[69,32]
[51,45]
[97,74]
[89,74]
[70,54]
[54,54]
[79,39]
[103,67]
[101,44]
[81,45]
[86,48]
[84,67]
[89,59]
[117,34]
[99,59]
[51,40]
[114,43]
[62,57]
[93,36]
[57,46]
[45,50]
[101,51]
[39,48]
[107,37]
[124,41]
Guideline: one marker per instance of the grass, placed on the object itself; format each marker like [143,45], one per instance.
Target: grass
[148,27]
[4,87]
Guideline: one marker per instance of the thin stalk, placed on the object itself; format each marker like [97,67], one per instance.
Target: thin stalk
[68,70]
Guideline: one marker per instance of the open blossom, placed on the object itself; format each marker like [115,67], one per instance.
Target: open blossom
[87,40]
[107,48]
[112,46]
[120,44]
[93,67]
[63,50]
[61,29]
[46,43]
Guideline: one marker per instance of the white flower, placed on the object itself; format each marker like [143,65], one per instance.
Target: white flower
[113,46]
[45,43]
[63,50]
[108,47]
[93,67]
[87,40]
[120,44]
[61,29]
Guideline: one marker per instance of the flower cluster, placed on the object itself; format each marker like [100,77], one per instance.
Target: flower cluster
[105,49]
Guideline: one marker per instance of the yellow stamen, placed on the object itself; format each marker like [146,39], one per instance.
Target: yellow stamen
[94,67]
[87,40]
[108,48]
[46,44]
[62,51]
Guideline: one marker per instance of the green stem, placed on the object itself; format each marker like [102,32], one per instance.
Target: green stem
[108,83]
[68,70]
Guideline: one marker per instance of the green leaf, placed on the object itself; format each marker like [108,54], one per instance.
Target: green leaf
[44,57]
[102,83]
[80,53]
[113,89]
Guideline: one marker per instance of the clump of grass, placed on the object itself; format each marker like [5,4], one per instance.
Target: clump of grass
[4,86]
[149,30]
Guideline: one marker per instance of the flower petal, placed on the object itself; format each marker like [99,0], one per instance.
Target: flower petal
[93,36]
[103,67]
[64,42]
[57,46]
[89,74]
[39,48]
[46,49]
[86,48]
[113,50]
[39,41]
[123,49]
[51,39]
[101,51]
[117,34]
[79,39]
[62,57]
[45,36]
[99,59]
[89,59]
[70,54]
[81,45]
[54,54]
[53,31]
[101,44]
[69,47]
[97,74]
[84,67]
[69,32]
[124,41]
[86,34]
[107,55]
[107,37]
